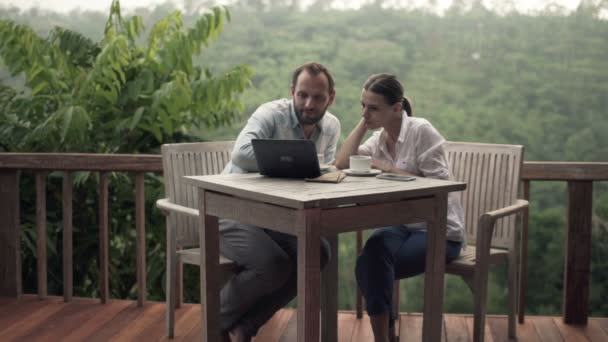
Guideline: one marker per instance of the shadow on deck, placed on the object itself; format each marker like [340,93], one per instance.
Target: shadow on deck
[85,319]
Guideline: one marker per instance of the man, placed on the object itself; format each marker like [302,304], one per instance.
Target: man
[267,259]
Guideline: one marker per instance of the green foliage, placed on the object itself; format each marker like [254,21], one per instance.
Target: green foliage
[123,94]
[115,95]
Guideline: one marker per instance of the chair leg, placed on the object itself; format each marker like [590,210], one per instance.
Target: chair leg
[171,273]
[512,299]
[396,300]
[359,303]
[179,284]
[479,299]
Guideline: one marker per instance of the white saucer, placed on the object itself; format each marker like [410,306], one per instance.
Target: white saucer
[369,173]
[324,167]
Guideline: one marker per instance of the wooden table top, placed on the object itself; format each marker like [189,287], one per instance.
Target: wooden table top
[298,194]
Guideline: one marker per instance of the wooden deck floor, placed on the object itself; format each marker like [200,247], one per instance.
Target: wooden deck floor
[31,319]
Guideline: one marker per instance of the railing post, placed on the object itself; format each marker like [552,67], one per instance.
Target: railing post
[140,223]
[10,235]
[41,258]
[104,286]
[68,265]
[578,252]
[523,261]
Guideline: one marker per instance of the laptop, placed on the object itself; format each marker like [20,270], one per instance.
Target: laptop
[286,158]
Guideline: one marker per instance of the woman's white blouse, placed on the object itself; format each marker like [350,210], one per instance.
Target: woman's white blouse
[419,150]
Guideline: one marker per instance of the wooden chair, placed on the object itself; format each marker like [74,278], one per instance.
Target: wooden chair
[179,208]
[492,173]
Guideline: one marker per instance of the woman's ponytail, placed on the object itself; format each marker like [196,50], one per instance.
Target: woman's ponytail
[407,106]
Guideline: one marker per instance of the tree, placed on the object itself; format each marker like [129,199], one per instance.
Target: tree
[116,95]
[123,94]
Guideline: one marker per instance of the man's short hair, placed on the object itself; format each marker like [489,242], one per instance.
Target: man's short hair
[314,69]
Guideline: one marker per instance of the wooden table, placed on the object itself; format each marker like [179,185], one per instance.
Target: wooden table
[309,211]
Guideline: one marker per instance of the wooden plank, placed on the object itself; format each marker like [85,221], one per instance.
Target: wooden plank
[68,269]
[41,258]
[247,211]
[594,330]
[570,333]
[546,329]
[20,309]
[104,285]
[140,237]
[189,323]
[339,220]
[81,162]
[295,193]
[410,329]
[578,253]
[362,331]
[580,171]
[498,327]
[274,328]
[291,330]
[10,235]
[456,328]
[120,322]
[309,276]
[527,332]
[346,324]
[102,315]
[603,322]
[28,323]
[64,321]
[487,334]
[136,328]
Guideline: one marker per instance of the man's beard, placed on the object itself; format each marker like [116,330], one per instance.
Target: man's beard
[307,120]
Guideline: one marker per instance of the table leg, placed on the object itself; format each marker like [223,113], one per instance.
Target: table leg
[309,275]
[329,294]
[209,269]
[435,268]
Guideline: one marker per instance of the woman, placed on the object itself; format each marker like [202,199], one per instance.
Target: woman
[404,145]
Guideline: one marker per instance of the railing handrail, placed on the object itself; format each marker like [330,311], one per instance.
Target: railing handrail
[564,171]
[81,162]
[532,170]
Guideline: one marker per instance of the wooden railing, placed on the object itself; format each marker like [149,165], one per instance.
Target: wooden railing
[580,178]
[578,175]
[40,164]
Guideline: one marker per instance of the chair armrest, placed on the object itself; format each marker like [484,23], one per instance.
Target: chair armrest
[485,227]
[167,207]
[519,205]
[487,220]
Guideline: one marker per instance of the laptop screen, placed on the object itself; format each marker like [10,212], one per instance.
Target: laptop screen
[286,158]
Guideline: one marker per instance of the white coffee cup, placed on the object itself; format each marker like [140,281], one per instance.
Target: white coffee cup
[360,163]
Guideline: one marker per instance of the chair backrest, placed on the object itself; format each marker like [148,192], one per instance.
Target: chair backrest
[492,173]
[190,159]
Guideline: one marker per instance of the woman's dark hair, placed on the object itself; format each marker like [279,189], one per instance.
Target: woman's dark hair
[313,69]
[388,86]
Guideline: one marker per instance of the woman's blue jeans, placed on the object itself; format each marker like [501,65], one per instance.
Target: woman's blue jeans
[392,253]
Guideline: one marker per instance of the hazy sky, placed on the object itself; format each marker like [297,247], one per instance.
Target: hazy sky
[104,5]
